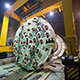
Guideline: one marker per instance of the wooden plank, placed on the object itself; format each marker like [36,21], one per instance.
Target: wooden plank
[45,77]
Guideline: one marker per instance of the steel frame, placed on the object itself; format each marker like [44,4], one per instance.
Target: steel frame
[67,11]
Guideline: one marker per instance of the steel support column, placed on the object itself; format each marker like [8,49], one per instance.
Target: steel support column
[4,31]
[68,23]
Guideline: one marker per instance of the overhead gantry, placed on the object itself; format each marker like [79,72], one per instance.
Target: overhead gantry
[46,6]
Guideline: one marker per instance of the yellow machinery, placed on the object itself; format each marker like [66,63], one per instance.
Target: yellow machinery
[72,69]
[50,5]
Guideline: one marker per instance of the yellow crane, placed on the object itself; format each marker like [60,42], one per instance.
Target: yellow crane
[50,5]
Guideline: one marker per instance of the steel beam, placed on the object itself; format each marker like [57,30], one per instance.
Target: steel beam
[15,16]
[45,10]
[6,49]
[15,6]
[68,23]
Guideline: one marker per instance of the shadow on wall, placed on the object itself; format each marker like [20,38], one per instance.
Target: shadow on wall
[13,26]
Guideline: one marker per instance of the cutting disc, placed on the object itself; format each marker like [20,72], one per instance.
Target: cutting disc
[34,44]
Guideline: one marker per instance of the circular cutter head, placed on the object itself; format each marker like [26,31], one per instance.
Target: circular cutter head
[34,44]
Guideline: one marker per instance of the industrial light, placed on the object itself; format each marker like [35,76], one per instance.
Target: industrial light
[7,5]
[63,57]
[51,13]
